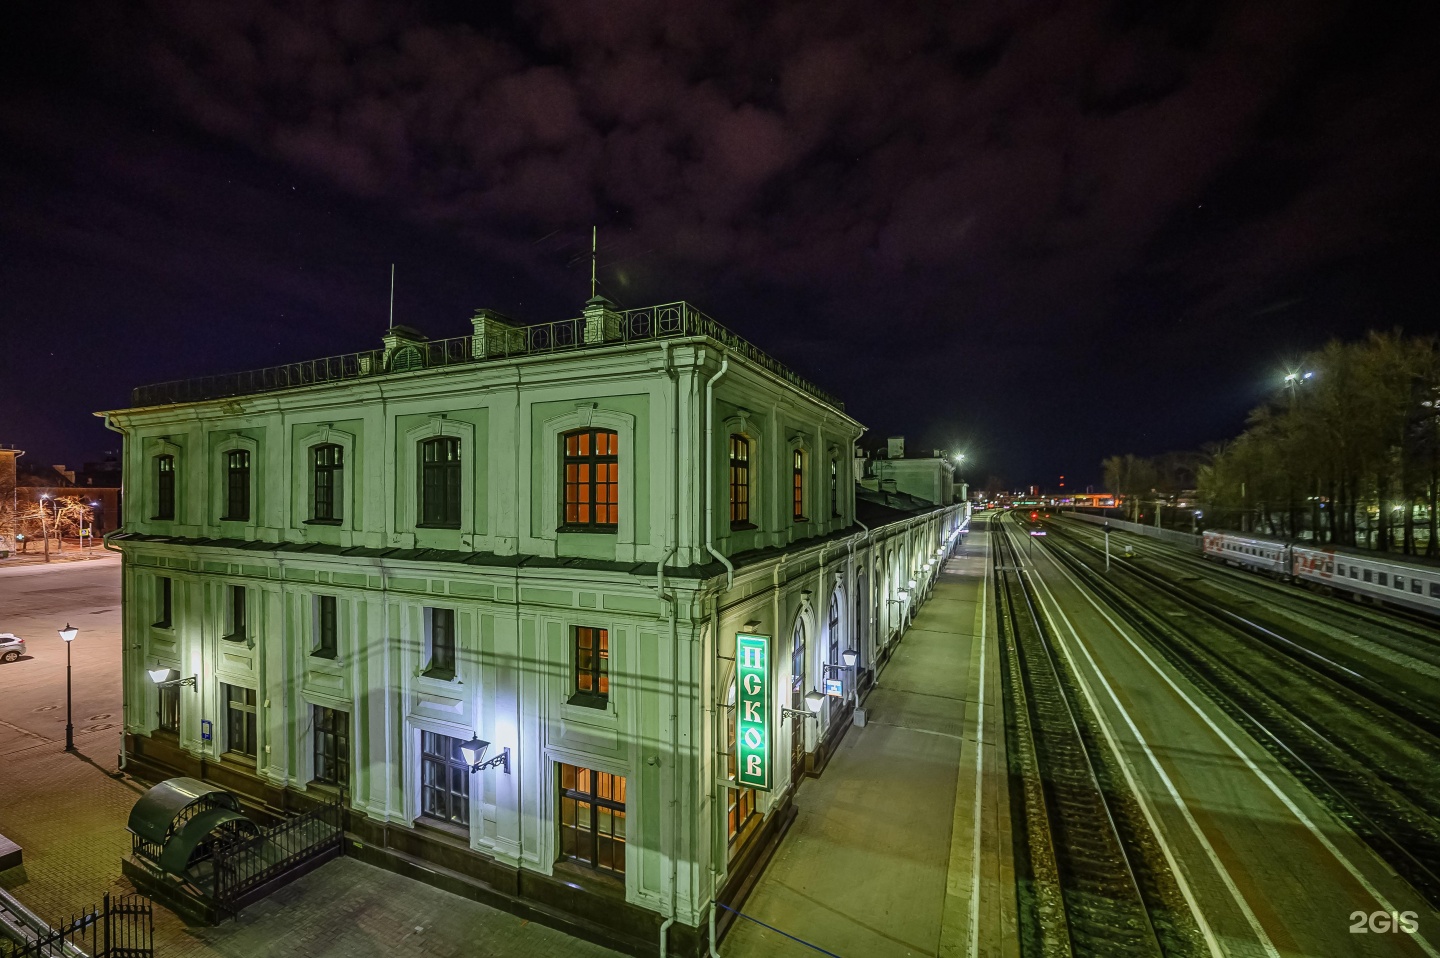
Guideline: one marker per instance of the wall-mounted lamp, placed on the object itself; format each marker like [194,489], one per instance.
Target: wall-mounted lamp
[752,625]
[910,584]
[849,657]
[473,752]
[162,679]
[900,595]
[814,702]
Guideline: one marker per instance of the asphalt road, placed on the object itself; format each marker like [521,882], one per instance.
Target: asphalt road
[36,601]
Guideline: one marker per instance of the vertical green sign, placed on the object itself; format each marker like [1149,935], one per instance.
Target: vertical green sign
[752,711]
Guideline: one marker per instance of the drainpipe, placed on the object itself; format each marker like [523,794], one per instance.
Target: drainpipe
[670,601]
[125,677]
[708,484]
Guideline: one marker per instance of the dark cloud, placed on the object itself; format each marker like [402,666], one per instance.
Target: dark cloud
[899,198]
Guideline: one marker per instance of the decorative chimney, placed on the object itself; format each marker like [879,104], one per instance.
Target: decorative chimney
[495,335]
[602,322]
[404,349]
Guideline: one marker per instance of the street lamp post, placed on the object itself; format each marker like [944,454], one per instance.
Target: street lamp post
[68,634]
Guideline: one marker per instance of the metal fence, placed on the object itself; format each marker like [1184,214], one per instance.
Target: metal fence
[123,927]
[1185,539]
[245,865]
[500,342]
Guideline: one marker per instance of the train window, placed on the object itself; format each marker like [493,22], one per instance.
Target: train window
[1415,587]
[1367,575]
[1400,582]
[1435,590]
[1380,577]
[1339,568]
[1352,573]
[1329,568]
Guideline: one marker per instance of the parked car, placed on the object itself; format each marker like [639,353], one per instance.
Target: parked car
[11,647]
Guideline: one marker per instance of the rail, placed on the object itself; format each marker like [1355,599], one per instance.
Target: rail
[1389,811]
[499,342]
[1085,839]
[246,864]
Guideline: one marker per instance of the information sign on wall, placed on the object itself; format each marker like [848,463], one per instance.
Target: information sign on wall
[752,711]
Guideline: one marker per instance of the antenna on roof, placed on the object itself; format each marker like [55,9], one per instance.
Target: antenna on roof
[594,233]
[392,295]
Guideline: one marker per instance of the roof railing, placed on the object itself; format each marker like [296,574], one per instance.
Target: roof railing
[500,342]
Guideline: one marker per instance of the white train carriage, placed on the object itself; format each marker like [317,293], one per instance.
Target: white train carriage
[1395,583]
[1262,554]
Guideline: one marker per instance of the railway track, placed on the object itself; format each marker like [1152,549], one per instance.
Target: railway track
[1096,883]
[1373,766]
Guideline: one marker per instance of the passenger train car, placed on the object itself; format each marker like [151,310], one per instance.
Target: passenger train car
[1382,578]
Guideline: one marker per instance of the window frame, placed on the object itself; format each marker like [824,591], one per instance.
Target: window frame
[456,810]
[741,487]
[740,803]
[797,486]
[327,627]
[333,484]
[164,487]
[588,466]
[165,599]
[797,694]
[330,746]
[594,799]
[248,712]
[834,487]
[238,505]
[237,600]
[440,667]
[598,673]
[449,479]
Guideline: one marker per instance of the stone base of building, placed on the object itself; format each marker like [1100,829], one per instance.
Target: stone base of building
[589,907]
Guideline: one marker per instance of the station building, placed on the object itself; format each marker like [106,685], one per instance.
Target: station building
[544,539]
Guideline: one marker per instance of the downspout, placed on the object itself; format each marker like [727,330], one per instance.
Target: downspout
[709,480]
[669,602]
[105,542]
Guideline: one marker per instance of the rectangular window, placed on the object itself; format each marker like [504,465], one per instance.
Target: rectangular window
[1435,590]
[592,480]
[1416,587]
[834,487]
[328,466]
[444,780]
[237,486]
[592,666]
[240,720]
[236,631]
[799,486]
[169,720]
[1400,582]
[332,746]
[440,483]
[1367,575]
[162,602]
[1339,568]
[440,639]
[325,627]
[164,487]
[592,818]
[739,482]
[739,802]
[1353,573]
[1382,577]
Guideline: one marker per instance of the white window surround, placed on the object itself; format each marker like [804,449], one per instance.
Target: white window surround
[608,716]
[154,449]
[306,752]
[302,483]
[550,812]
[414,725]
[587,416]
[407,490]
[219,483]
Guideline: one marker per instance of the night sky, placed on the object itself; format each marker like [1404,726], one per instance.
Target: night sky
[1044,232]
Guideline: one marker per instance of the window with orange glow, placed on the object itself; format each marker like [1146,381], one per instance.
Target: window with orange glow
[592,480]
[799,486]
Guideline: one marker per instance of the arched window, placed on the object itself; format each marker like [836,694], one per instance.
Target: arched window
[797,694]
[592,480]
[798,486]
[440,483]
[328,465]
[834,658]
[739,482]
[237,486]
[165,487]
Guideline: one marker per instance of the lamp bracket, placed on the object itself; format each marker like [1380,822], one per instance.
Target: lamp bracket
[500,761]
[803,713]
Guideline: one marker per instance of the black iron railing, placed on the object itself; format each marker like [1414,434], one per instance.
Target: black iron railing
[243,865]
[500,342]
[123,927]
